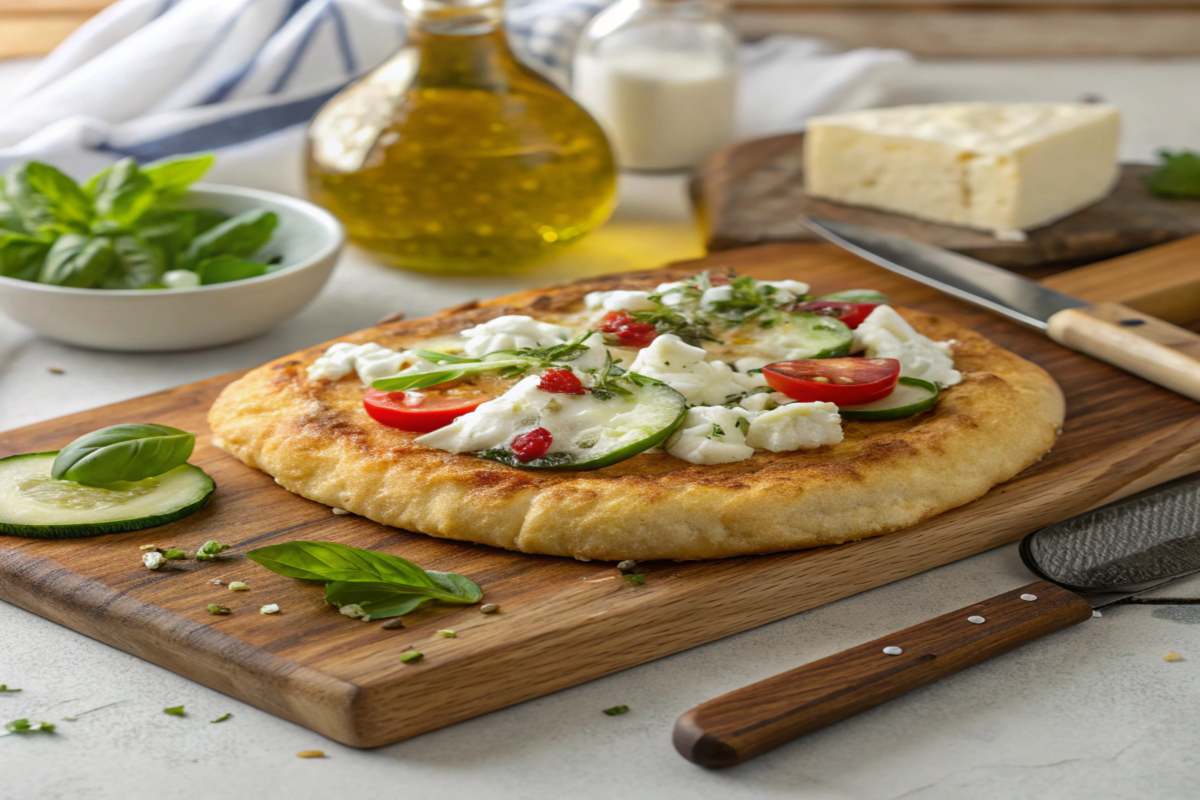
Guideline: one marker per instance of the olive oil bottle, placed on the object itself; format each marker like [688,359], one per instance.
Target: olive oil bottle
[453,157]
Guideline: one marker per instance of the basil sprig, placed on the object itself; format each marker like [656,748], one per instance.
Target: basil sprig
[382,585]
[123,453]
[123,229]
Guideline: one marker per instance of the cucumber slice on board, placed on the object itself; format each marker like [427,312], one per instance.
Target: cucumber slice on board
[911,396]
[855,296]
[34,505]
[623,427]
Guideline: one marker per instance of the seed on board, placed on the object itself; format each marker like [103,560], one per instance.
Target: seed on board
[892,650]
[1029,598]
[56,370]
[148,547]
[340,511]
[238,586]
[489,608]
[311,754]
[627,565]
[1172,656]
[270,608]
[976,620]
[393,624]
[447,634]
[411,656]
[213,608]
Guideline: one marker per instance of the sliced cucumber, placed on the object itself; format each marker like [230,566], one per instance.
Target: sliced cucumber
[856,296]
[33,504]
[815,336]
[590,433]
[911,396]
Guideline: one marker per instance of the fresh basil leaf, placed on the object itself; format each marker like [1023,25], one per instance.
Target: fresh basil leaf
[224,269]
[1178,177]
[329,561]
[25,726]
[422,380]
[457,585]
[172,177]
[139,264]
[10,221]
[78,261]
[121,193]
[175,711]
[241,237]
[205,219]
[506,456]
[380,600]
[170,230]
[129,452]
[21,256]
[45,198]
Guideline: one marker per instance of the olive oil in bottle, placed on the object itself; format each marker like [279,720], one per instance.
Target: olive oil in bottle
[453,157]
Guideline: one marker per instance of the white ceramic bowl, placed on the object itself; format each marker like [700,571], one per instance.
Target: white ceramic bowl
[308,239]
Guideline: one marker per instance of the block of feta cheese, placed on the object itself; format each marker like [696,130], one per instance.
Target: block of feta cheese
[998,167]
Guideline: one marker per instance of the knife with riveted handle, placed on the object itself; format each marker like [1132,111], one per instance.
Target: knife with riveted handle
[1087,562]
[1148,347]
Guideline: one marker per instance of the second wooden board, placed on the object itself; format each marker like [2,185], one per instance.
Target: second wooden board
[753,193]
[561,622]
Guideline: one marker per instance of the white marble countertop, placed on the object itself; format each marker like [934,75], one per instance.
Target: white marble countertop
[1091,712]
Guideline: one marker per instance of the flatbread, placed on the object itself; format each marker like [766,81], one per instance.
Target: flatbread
[315,438]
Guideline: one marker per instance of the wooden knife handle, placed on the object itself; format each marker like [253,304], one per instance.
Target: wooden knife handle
[1158,351]
[750,721]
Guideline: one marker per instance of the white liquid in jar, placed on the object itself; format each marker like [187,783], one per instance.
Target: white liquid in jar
[661,110]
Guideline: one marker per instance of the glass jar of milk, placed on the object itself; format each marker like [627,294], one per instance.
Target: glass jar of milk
[661,78]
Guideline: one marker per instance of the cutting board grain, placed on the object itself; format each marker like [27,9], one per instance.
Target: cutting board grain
[753,193]
[561,622]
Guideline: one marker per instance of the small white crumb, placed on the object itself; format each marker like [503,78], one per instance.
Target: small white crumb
[354,611]
[237,586]
[148,547]
[1011,236]
[1096,614]
[340,511]
[153,560]
[270,608]
[218,582]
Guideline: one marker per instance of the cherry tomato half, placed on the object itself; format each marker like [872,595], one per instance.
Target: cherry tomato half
[844,381]
[428,413]
[627,330]
[852,314]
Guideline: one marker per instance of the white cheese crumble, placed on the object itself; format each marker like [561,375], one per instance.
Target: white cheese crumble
[413,398]
[765,401]
[786,291]
[682,367]
[712,435]
[886,334]
[513,332]
[371,361]
[270,608]
[153,560]
[795,426]
[619,300]
[354,611]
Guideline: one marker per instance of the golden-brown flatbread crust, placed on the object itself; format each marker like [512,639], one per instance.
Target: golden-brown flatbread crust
[315,438]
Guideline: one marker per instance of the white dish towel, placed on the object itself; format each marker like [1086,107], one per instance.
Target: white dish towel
[155,78]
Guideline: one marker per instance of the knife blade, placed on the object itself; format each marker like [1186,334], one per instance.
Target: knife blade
[1138,343]
[1087,562]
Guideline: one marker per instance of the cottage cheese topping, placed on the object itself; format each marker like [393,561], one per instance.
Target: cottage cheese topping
[795,426]
[371,361]
[619,301]
[712,435]
[514,332]
[886,334]
[682,367]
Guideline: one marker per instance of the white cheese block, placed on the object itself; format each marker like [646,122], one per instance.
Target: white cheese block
[997,167]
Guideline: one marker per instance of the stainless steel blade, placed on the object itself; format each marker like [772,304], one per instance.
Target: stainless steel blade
[999,290]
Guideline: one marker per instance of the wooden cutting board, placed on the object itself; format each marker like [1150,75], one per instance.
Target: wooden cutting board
[753,193]
[561,622]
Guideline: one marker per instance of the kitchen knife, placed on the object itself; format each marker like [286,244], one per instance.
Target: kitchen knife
[1139,343]
[1087,562]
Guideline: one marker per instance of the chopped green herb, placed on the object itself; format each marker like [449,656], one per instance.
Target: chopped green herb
[223,717]
[1178,177]
[634,577]
[209,551]
[616,711]
[175,711]
[717,430]
[411,656]
[213,608]
[174,555]
[25,726]
[4,688]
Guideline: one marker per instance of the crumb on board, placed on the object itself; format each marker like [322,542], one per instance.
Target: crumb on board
[311,754]
[1172,656]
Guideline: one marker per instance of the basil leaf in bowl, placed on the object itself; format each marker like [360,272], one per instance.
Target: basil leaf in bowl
[130,452]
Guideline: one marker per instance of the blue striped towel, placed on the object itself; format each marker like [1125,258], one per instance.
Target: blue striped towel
[155,78]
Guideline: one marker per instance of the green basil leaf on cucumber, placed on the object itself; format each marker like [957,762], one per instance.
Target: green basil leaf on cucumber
[128,453]
[911,396]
